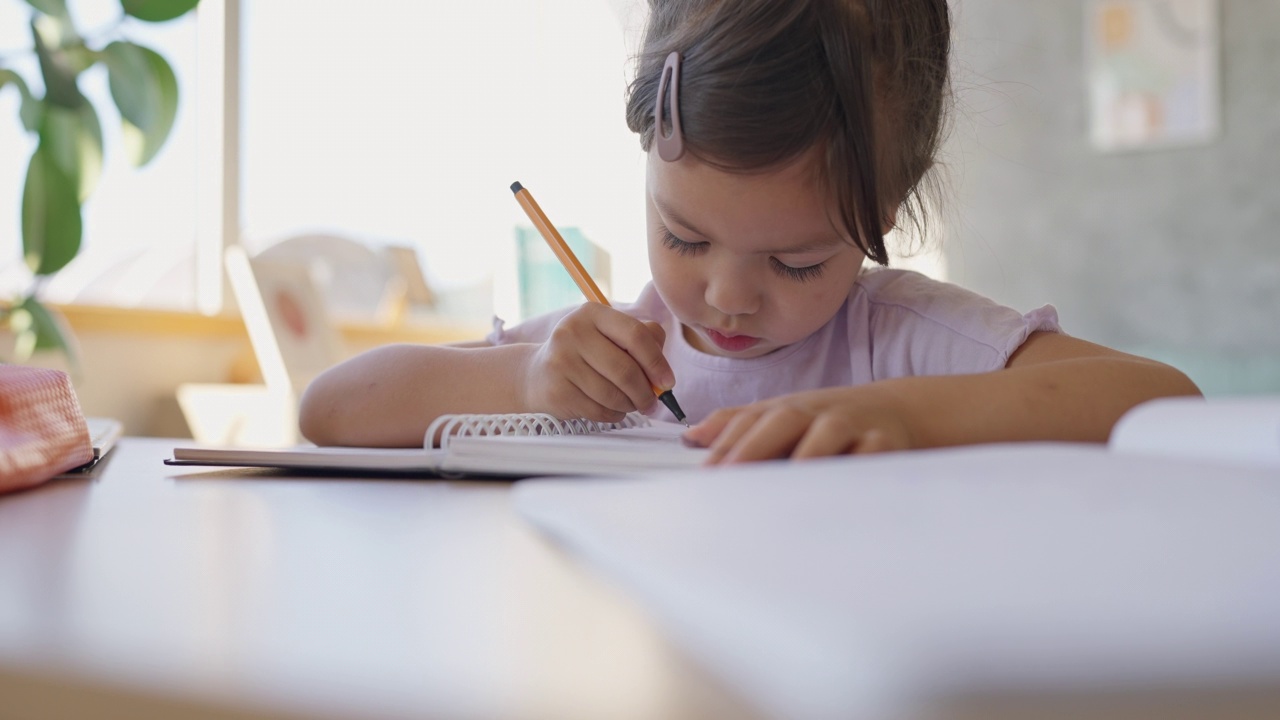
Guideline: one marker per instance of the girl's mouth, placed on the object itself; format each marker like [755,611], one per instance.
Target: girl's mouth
[731,343]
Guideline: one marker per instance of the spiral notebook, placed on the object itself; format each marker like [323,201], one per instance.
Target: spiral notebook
[507,445]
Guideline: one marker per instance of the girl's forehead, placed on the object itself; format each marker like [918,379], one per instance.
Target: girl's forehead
[802,174]
[787,201]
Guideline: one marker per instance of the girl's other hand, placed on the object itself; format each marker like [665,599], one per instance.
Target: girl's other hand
[817,423]
[598,364]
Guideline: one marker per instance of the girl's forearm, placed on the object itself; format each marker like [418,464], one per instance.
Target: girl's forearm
[388,396]
[1077,399]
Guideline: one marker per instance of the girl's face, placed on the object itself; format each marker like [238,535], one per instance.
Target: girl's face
[749,263]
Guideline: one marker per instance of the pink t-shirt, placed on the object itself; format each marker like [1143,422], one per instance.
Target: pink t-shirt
[895,323]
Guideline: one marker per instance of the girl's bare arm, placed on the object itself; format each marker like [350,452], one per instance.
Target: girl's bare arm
[1055,387]
[598,364]
[386,397]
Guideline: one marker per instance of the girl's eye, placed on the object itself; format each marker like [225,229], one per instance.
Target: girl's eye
[799,274]
[680,246]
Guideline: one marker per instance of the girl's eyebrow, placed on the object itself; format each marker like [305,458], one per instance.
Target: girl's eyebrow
[812,245]
[668,213]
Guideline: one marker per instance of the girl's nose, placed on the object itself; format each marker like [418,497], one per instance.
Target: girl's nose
[733,294]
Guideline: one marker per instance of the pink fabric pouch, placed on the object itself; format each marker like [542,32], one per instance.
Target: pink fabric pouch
[42,429]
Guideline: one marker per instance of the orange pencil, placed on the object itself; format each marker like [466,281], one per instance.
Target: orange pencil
[579,274]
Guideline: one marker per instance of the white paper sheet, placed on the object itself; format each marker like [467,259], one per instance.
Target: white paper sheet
[885,586]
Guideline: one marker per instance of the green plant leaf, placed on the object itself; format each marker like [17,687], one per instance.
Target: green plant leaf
[58,135]
[132,88]
[31,109]
[56,27]
[74,139]
[81,57]
[145,90]
[157,10]
[89,144]
[22,325]
[50,7]
[51,224]
[45,330]
[59,74]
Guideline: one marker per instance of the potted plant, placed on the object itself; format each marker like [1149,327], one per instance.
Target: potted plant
[64,168]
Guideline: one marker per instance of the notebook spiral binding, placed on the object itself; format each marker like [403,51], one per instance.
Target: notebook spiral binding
[446,427]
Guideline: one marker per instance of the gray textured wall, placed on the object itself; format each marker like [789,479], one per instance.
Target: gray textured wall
[1171,253]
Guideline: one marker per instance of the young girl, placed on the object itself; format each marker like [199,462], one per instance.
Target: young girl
[784,139]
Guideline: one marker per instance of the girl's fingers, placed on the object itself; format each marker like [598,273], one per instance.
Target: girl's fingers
[828,435]
[589,354]
[804,426]
[773,435]
[627,353]
[734,429]
[874,441]
[655,329]
[600,390]
[705,432]
[585,406]
[626,382]
[643,343]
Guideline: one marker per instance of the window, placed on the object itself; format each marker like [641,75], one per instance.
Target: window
[139,225]
[398,122]
[405,122]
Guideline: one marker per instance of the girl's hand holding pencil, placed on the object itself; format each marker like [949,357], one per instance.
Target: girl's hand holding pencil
[608,365]
[599,364]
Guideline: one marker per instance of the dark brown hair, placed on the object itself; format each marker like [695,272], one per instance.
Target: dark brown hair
[764,81]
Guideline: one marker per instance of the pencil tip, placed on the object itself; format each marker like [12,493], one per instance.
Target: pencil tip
[516,187]
[668,398]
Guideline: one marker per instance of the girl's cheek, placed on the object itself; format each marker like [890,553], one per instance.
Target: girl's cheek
[679,284]
[667,271]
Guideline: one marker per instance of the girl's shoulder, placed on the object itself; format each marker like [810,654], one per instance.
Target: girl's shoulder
[647,306]
[920,325]
[892,291]
[896,285]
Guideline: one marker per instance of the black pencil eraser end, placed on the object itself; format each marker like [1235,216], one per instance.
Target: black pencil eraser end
[516,187]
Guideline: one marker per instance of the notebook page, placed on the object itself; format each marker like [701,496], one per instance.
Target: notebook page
[318,458]
[652,447]
[1244,430]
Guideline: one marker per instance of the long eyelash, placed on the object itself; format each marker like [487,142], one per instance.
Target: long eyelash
[799,274]
[671,242]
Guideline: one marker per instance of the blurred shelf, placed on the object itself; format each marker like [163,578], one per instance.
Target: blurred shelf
[144,321]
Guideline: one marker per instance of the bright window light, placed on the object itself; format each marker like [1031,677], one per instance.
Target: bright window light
[139,225]
[404,122]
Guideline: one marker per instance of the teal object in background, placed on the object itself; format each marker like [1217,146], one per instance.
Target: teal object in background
[1221,374]
[544,283]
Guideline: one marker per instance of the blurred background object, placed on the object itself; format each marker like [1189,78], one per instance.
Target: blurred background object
[1174,252]
[64,130]
[1153,73]
[543,282]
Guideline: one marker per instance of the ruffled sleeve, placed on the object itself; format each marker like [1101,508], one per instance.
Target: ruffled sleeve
[919,326]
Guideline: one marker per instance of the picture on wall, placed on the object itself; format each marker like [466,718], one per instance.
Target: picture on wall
[1153,72]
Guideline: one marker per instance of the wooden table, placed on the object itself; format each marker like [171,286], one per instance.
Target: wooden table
[152,591]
